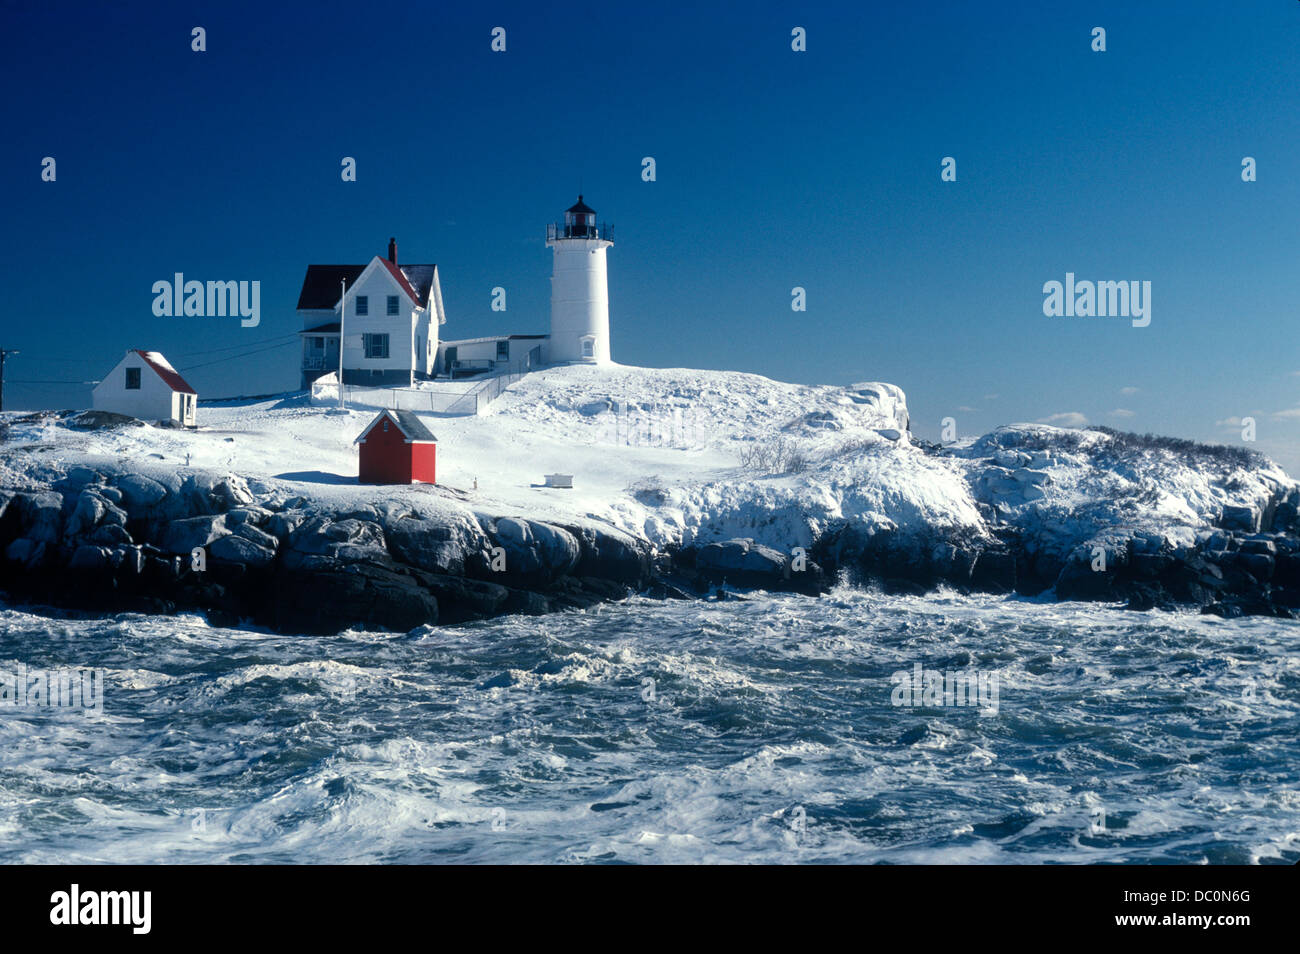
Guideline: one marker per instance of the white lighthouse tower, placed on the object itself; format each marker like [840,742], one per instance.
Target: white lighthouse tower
[579,287]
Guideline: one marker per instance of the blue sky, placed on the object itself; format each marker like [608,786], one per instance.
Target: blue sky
[775,169]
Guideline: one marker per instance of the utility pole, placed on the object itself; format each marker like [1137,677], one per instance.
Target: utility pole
[4,354]
[343,311]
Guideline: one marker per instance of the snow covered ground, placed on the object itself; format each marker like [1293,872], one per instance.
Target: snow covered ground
[677,455]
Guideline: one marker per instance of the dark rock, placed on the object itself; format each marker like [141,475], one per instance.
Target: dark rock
[1259,545]
[253,516]
[98,420]
[321,541]
[995,571]
[436,546]
[1149,565]
[192,498]
[1232,607]
[1258,565]
[110,534]
[1287,518]
[127,559]
[1286,570]
[86,513]
[328,599]
[535,553]
[611,555]
[32,554]
[1240,518]
[666,591]
[744,563]
[162,570]
[87,557]
[182,536]
[740,556]
[40,516]
[139,493]
[605,589]
[286,522]
[462,600]
[232,491]
[527,603]
[238,548]
[1144,598]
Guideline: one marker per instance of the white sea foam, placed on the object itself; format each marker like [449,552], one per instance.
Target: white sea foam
[769,736]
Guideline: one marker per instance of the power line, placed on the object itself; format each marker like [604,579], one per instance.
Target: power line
[4,353]
[235,357]
[88,383]
[246,344]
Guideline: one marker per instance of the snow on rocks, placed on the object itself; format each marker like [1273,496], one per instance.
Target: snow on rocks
[705,474]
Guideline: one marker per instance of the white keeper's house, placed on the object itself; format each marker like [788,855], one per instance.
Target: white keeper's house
[391,316]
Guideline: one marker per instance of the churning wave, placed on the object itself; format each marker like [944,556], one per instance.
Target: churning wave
[756,730]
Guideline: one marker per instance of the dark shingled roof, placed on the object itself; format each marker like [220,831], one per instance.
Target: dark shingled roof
[581,207]
[320,287]
[410,426]
[421,279]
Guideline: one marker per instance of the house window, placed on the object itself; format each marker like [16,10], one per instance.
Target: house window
[503,350]
[376,346]
[588,347]
[133,379]
[363,305]
[392,304]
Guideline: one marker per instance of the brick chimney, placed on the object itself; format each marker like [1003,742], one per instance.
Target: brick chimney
[392,250]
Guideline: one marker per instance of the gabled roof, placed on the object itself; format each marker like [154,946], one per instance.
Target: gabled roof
[421,278]
[581,207]
[165,371]
[412,427]
[320,286]
[401,280]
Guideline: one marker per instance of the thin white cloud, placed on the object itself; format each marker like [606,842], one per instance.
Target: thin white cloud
[1122,412]
[1129,391]
[1065,419]
[994,397]
[1291,414]
[968,410]
[1228,422]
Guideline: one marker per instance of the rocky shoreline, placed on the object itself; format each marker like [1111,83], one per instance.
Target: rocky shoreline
[111,540]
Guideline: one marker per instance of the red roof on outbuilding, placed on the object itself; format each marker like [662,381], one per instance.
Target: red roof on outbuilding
[165,371]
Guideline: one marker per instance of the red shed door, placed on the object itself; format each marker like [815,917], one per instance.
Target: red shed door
[423,462]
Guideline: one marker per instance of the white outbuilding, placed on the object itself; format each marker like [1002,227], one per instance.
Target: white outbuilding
[145,386]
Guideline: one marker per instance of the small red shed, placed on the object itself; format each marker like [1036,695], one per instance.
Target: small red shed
[397,449]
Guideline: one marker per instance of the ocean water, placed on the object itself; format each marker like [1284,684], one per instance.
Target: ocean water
[762,730]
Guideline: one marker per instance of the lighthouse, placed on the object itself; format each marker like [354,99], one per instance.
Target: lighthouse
[579,287]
